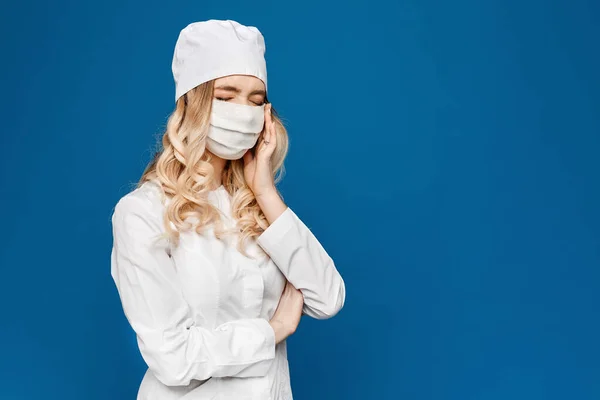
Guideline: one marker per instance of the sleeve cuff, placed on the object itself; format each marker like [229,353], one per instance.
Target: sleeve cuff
[269,333]
[275,232]
[266,355]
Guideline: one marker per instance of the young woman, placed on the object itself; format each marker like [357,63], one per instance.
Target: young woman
[213,269]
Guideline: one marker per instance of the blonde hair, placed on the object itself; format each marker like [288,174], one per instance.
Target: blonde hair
[182,168]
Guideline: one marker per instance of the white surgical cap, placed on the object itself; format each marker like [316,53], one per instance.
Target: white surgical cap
[212,49]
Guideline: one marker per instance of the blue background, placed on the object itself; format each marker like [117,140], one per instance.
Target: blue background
[445,153]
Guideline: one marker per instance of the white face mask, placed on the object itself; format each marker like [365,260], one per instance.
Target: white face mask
[234,128]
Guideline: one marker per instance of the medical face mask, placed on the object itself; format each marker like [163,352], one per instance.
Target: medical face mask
[234,128]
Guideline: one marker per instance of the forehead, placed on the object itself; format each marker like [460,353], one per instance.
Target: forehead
[244,82]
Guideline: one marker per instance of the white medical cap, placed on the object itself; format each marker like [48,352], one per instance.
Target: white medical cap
[212,49]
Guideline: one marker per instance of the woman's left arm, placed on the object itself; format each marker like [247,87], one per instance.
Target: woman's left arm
[301,258]
[289,243]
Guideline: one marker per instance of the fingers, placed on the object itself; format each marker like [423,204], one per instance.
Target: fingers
[273,136]
[267,135]
[267,121]
[268,114]
[272,133]
[291,290]
[268,125]
[268,139]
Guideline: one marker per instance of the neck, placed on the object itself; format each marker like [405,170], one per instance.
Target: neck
[218,164]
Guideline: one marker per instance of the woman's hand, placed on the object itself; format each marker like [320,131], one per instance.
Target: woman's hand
[288,313]
[257,167]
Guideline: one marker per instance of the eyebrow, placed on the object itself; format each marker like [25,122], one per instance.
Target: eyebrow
[237,90]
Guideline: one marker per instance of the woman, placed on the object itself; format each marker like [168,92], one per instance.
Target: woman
[212,268]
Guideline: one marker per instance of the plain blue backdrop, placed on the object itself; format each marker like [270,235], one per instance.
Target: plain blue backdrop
[445,154]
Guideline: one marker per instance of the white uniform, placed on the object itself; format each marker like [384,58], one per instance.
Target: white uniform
[200,311]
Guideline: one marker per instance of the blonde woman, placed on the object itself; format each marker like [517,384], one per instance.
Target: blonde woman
[213,269]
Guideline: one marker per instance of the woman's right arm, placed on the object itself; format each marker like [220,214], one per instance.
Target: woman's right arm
[173,346]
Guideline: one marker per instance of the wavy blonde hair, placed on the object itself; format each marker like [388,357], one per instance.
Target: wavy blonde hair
[182,167]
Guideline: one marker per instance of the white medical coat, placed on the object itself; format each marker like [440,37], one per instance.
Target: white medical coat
[201,310]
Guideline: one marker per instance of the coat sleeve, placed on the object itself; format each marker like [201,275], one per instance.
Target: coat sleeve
[305,263]
[176,348]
